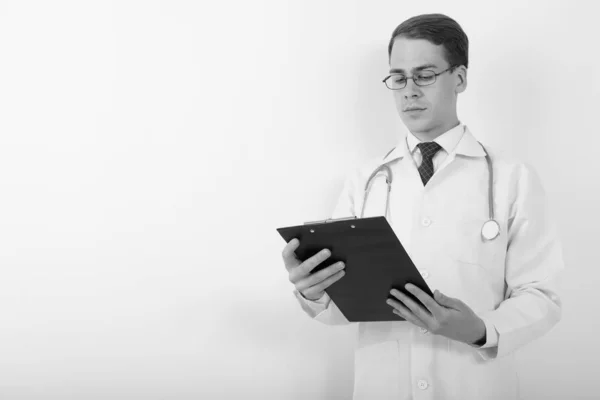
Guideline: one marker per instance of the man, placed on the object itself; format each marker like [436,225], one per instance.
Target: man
[491,297]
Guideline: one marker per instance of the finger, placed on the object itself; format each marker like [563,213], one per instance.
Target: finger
[318,277]
[434,308]
[450,302]
[310,264]
[405,313]
[420,312]
[303,270]
[289,257]
[316,289]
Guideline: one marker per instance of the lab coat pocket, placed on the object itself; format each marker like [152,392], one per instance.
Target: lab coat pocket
[470,247]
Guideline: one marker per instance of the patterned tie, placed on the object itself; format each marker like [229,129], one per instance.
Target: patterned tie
[428,150]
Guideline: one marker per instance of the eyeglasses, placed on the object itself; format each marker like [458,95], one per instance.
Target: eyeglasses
[422,78]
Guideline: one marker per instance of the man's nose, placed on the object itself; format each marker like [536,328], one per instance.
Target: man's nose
[411,91]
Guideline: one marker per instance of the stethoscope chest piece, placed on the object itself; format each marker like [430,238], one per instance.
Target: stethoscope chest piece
[490,230]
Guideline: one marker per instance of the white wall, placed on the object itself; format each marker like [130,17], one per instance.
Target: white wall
[149,150]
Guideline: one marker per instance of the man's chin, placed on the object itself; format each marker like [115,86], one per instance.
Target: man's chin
[416,125]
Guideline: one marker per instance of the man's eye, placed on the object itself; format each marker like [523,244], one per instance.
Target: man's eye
[424,77]
[400,79]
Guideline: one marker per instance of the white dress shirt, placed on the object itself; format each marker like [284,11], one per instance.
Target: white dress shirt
[448,141]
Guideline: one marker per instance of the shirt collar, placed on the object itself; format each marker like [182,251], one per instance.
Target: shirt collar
[448,140]
[453,139]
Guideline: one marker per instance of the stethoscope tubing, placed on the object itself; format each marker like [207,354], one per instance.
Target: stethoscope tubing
[389,178]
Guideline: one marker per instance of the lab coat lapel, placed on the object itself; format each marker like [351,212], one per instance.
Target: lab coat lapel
[468,146]
[406,179]
[401,151]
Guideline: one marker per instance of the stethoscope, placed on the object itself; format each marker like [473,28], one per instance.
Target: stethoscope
[490,229]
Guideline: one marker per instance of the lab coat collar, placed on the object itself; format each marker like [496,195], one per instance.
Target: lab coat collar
[467,146]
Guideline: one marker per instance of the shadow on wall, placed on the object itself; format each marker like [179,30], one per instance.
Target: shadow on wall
[275,326]
[375,110]
[318,358]
[510,105]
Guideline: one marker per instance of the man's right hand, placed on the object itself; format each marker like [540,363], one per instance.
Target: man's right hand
[311,286]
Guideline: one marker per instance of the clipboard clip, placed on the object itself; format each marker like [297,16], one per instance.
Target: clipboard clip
[325,221]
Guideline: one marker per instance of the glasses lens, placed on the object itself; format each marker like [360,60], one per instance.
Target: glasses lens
[396,82]
[425,78]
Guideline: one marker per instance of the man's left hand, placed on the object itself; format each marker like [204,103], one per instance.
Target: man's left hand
[443,315]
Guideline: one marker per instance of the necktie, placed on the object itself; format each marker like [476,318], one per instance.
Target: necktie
[428,150]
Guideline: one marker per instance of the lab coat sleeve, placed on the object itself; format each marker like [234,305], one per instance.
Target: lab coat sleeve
[491,338]
[531,305]
[324,309]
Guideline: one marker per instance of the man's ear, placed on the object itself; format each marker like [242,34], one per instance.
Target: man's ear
[461,76]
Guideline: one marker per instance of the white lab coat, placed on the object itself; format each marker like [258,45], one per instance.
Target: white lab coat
[509,282]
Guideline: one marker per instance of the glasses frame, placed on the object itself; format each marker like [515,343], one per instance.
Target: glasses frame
[435,75]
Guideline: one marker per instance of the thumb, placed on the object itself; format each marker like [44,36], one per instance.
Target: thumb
[447,301]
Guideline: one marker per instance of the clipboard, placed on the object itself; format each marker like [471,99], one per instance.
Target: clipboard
[375,262]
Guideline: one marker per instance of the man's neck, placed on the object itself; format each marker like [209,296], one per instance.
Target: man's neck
[431,135]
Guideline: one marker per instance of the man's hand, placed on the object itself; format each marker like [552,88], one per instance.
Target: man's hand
[311,286]
[443,315]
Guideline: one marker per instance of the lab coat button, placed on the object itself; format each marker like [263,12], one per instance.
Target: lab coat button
[422,384]
[426,222]
[424,274]
[423,330]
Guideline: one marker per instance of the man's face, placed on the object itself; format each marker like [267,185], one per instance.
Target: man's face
[436,102]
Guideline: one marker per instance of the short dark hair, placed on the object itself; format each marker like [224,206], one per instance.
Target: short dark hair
[438,29]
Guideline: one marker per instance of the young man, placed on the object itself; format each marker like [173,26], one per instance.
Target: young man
[491,296]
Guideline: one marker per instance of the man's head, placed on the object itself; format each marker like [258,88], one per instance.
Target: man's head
[418,46]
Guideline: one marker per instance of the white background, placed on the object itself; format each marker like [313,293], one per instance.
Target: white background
[149,150]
